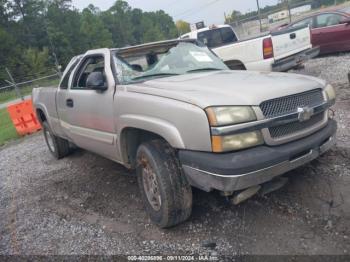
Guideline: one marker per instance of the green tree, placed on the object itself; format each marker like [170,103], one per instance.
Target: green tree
[117,20]
[234,16]
[92,30]
[182,27]
[63,30]
[35,61]
[9,53]
[33,32]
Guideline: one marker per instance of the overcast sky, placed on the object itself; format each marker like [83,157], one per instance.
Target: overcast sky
[211,11]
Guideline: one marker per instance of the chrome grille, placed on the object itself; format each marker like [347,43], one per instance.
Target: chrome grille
[289,104]
[291,128]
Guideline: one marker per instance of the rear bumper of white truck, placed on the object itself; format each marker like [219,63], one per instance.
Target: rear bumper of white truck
[295,60]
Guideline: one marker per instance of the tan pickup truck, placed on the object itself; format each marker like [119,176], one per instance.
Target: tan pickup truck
[174,112]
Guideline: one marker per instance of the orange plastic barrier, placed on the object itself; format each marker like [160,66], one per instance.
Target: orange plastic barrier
[23,117]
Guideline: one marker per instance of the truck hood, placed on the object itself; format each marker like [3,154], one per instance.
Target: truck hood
[227,87]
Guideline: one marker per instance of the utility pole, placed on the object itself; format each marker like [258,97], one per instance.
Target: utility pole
[257,3]
[289,12]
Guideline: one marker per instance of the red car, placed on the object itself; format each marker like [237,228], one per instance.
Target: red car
[330,30]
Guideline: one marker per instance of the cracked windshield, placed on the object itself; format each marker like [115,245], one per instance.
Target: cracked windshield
[180,59]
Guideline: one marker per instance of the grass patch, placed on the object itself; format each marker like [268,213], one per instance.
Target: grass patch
[7,130]
[6,96]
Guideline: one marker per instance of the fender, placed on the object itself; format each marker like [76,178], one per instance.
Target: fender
[158,126]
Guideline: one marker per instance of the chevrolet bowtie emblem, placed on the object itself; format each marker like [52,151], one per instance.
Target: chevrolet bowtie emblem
[305,113]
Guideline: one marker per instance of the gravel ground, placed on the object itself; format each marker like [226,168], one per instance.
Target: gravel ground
[85,204]
[332,68]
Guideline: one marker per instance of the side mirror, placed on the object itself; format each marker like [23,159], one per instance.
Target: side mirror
[96,81]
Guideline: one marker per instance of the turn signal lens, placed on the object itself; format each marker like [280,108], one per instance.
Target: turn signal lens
[236,142]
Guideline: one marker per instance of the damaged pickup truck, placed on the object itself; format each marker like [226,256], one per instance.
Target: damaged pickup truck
[174,112]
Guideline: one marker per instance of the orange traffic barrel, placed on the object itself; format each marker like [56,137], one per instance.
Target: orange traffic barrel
[23,117]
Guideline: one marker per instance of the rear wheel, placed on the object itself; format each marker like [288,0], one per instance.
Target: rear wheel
[165,190]
[58,147]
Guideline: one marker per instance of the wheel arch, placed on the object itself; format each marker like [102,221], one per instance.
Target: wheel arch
[235,65]
[40,115]
[132,136]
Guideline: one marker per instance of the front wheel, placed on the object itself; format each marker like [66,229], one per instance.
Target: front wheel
[58,147]
[165,190]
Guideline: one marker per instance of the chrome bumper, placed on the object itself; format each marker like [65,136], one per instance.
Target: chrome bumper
[208,181]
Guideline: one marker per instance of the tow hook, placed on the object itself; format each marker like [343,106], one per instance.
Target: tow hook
[262,190]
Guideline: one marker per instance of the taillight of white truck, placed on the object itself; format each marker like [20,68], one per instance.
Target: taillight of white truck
[267,48]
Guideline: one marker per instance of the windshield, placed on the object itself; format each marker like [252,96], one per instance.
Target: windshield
[156,62]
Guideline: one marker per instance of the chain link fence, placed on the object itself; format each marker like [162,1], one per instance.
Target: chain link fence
[15,88]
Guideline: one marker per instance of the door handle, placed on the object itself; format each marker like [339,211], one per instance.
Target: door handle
[70,103]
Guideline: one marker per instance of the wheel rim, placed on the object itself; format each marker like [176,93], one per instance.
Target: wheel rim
[150,185]
[50,141]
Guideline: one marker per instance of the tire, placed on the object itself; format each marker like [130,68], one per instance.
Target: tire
[58,147]
[158,158]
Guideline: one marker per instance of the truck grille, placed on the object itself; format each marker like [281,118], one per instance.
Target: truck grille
[291,128]
[290,104]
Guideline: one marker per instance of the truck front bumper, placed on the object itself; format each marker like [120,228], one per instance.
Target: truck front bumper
[290,62]
[239,170]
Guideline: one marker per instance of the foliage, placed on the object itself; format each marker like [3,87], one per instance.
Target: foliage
[234,16]
[33,32]
[7,130]
[35,60]
[183,27]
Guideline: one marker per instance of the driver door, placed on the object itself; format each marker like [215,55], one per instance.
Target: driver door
[87,115]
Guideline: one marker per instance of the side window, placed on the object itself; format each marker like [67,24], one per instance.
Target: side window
[217,37]
[228,36]
[211,38]
[305,22]
[90,64]
[328,20]
[65,80]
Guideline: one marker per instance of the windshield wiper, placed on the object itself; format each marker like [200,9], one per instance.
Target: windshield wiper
[154,75]
[204,69]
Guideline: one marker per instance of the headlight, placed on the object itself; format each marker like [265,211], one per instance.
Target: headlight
[221,116]
[330,93]
[236,142]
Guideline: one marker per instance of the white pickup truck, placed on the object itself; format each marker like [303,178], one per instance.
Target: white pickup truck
[278,51]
